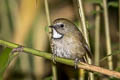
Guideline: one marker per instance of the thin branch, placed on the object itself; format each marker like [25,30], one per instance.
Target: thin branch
[54,69]
[82,16]
[99,69]
[62,60]
[108,42]
[47,12]
[84,28]
[97,36]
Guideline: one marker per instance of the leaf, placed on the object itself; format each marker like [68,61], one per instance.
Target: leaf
[4,60]
[113,4]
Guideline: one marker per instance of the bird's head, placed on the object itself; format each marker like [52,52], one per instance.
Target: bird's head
[62,26]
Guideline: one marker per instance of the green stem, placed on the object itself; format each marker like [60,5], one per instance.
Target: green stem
[54,69]
[84,28]
[97,36]
[82,16]
[47,12]
[37,52]
[107,34]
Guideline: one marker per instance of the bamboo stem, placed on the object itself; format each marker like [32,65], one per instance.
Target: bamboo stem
[54,69]
[84,28]
[47,12]
[107,34]
[97,36]
[82,16]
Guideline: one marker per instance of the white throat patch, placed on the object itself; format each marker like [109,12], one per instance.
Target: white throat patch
[56,34]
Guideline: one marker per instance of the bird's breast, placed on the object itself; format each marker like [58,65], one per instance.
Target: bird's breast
[61,48]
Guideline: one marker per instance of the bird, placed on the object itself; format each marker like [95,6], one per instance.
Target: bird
[67,41]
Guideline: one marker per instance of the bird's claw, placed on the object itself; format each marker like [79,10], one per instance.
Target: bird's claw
[76,62]
[54,58]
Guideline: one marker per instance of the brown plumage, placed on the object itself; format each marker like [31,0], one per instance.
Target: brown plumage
[67,41]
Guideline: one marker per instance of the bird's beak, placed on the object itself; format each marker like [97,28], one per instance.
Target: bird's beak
[51,26]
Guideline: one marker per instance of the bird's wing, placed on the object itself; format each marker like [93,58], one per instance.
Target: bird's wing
[85,45]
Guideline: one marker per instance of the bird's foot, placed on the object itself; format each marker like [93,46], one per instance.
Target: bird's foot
[76,62]
[18,49]
[54,58]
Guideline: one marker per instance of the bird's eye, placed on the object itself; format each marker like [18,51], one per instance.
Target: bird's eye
[62,25]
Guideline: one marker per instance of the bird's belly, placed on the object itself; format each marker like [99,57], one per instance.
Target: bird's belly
[61,50]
